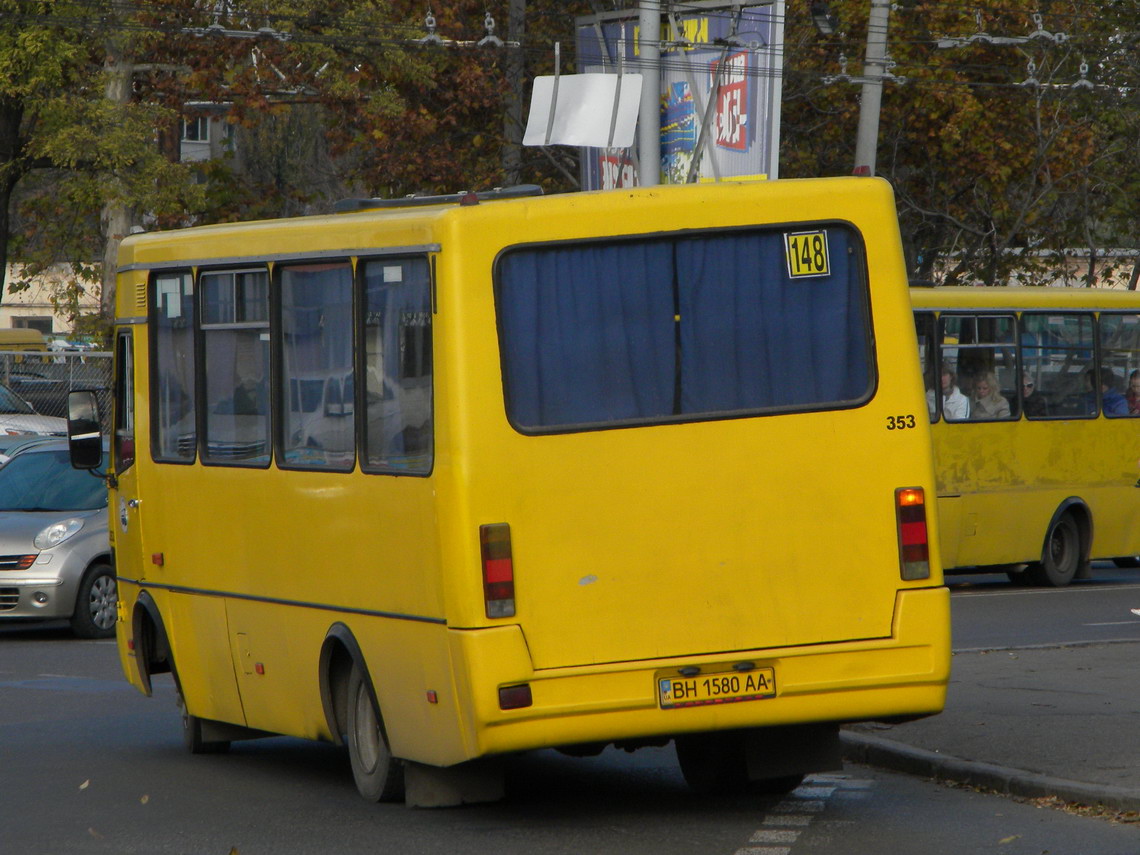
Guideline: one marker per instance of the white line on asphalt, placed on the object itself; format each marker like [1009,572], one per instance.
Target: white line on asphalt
[1029,592]
[764,836]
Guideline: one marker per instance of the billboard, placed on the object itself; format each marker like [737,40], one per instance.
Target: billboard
[720,77]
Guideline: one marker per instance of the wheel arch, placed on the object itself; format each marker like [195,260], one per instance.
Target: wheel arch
[1079,510]
[152,646]
[340,651]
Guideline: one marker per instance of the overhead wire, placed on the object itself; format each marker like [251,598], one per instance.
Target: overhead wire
[960,72]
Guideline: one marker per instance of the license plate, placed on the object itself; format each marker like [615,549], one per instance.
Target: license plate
[720,688]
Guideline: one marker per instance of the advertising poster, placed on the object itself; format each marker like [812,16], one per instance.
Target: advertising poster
[720,79]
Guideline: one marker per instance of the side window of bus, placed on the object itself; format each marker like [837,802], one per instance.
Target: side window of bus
[124,436]
[173,432]
[397,343]
[924,328]
[235,335]
[979,355]
[1058,360]
[1120,364]
[316,353]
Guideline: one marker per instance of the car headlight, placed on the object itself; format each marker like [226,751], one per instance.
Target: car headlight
[57,533]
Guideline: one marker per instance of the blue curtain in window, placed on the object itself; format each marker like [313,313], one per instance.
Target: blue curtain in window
[752,337]
[588,333]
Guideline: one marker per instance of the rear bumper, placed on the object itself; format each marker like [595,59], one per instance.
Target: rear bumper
[904,675]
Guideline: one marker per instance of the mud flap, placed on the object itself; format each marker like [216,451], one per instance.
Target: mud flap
[465,783]
[778,752]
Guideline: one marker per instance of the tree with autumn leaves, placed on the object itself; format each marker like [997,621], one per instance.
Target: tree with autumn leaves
[1005,152]
[1000,163]
[325,99]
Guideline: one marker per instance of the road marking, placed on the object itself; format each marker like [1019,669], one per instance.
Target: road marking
[1114,623]
[1030,592]
[769,836]
[786,820]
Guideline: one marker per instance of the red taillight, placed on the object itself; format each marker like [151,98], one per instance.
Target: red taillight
[914,549]
[498,570]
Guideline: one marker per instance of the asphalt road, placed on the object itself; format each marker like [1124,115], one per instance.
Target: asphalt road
[87,765]
[989,613]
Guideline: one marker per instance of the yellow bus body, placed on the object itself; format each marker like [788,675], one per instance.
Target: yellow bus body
[1001,484]
[769,540]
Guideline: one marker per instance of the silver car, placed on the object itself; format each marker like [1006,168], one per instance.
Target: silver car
[17,417]
[55,553]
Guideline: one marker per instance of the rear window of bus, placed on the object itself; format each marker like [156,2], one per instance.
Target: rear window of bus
[684,327]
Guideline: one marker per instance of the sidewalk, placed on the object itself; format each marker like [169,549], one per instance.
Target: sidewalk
[1058,721]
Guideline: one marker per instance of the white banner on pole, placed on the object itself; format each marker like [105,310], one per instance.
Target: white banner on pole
[584,110]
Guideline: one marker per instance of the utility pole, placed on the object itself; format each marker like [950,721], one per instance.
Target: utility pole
[115,217]
[513,117]
[649,114]
[874,69]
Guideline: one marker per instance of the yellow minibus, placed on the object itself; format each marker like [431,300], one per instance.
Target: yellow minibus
[1033,398]
[453,478]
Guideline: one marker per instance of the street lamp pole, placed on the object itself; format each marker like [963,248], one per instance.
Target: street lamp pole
[874,69]
[649,116]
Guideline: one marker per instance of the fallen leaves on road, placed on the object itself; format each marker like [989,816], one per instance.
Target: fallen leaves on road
[1096,811]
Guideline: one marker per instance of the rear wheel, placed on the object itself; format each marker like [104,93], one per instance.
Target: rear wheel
[379,776]
[96,603]
[1062,556]
[192,730]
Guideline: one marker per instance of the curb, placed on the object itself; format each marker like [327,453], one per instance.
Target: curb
[889,754]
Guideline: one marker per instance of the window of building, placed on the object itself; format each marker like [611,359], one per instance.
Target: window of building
[196,129]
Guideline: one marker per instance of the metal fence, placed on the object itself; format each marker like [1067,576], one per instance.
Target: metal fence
[44,379]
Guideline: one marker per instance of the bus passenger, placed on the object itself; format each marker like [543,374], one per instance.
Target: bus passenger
[1132,394]
[1034,404]
[1113,402]
[955,405]
[988,401]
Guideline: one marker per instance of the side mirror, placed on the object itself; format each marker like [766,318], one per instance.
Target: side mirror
[84,434]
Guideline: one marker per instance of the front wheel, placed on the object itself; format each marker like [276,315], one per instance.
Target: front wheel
[96,603]
[1062,557]
[379,776]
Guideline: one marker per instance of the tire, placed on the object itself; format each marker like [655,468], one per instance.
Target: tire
[96,603]
[1062,556]
[1127,561]
[713,763]
[192,730]
[379,776]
